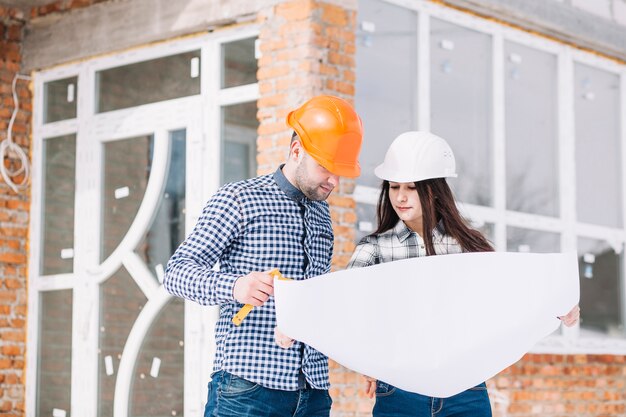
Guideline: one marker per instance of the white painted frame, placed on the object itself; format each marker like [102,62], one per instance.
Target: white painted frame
[199,116]
[566,224]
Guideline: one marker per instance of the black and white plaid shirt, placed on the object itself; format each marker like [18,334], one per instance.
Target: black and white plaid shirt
[397,244]
[255,225]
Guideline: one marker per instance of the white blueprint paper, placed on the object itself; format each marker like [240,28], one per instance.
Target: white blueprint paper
[433,325]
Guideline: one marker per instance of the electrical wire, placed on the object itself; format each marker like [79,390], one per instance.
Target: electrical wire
[9,149]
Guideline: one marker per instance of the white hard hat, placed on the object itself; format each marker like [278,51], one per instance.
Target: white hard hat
[417,156]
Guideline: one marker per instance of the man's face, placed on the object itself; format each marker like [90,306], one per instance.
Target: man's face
[315,181]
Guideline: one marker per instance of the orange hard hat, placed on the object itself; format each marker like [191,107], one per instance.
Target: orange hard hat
[331,132]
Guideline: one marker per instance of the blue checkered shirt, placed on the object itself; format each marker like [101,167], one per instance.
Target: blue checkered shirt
[399,243]
[255,225]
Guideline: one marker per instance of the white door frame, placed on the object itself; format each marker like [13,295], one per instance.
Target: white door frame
[199,116]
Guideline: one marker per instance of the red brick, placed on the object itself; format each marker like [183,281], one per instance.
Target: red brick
[334,15]
[11,350]
[273,72]
[12,283]
[295,10]
[16,258]
[7,297]
[17,323]
[14,32]
[13,232]
[13,336]
[11,379]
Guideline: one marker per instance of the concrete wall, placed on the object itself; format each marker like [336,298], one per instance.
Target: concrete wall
[593,24]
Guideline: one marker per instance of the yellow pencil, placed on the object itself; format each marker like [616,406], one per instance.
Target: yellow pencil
[246,309]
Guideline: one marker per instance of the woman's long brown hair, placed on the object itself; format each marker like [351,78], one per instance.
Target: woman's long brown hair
[437,206]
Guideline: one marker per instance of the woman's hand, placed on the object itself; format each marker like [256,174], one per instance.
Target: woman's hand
[572,317]
[282,339]
[370,386]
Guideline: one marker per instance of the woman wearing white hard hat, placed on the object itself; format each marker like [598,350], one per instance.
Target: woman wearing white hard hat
[417,216]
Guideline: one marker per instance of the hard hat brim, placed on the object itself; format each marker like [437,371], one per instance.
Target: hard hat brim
[343,170]
[384,173]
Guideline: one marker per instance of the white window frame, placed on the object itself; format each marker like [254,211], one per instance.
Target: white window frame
[570,340]
[200,116]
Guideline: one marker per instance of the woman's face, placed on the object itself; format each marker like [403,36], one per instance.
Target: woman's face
[406,203]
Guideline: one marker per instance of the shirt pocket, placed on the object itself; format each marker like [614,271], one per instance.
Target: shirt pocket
[321,251]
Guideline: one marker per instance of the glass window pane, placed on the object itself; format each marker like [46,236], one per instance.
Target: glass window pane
[598,168]
[60,99]
[59,183]
[120,303]
[54,371]
[600,276]
[461,106]
[126,172]
[168,226]
[239,64]
[148,82]
[532,168]
[386,79]
[239,134]
[535,241]
[160,366]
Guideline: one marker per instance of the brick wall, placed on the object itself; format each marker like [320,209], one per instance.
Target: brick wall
[561,385]
[14,217]
[543,385]
[308,48]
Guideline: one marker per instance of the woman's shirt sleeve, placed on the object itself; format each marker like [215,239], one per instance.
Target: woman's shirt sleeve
[366,253]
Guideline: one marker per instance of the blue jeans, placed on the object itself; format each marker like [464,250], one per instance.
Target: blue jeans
[230,395]
[394,402]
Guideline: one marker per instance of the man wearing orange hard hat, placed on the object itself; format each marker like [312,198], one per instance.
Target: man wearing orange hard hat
[277,221]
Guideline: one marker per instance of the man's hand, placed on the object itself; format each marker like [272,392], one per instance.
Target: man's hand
[572,317]
[254,288]
[282,339]
[370,386]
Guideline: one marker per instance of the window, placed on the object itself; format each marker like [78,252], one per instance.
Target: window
[58,212]
[460,79]
[387,51]
[239,65]
[60,99]
[535,127]
[600,276]
[532,153]
[55,347]
[147,82]
[239,127]
[598,147]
